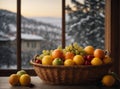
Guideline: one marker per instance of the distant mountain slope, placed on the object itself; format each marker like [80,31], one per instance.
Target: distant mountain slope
[28,26]
[51,20]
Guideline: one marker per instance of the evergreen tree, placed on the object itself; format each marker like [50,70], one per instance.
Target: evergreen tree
[86,22]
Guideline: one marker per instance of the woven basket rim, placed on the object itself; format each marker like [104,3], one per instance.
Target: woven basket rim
[75,66]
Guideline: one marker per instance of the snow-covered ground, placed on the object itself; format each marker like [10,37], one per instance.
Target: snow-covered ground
[50,20]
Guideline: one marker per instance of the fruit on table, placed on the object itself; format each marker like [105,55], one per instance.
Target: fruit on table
[87,62]
[20,78]
[57,61]
[38,61]
[89,50]
[69,55]
[57,53]
[25,80]
[96,61]
[47,60]
[87,56]
[78,59]
[14,79]
[108,80]
[21,72]
[75,48]
[68,62]
[99,53]
[107,59]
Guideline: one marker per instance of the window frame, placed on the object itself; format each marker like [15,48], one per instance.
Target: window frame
[111,35]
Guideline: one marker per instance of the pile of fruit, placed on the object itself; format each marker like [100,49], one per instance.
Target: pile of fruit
[73,54]
[21,78]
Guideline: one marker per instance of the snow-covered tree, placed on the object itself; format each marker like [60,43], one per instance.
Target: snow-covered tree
[85,22]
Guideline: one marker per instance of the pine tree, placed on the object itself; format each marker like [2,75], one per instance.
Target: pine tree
[86,22]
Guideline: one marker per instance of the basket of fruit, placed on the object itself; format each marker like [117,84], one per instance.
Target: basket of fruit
[72,65]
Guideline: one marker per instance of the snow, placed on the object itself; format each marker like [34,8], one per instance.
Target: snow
[50,20]
[12,28]
[1,33]
[102,15]
[12,38]
[4,39]
[23,36]
[81,21]
[31,37]
[67,18]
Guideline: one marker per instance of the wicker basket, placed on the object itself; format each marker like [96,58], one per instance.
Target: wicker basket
[81,74]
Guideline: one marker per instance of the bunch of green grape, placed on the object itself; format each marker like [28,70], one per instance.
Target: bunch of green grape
[44,53]
[75,48]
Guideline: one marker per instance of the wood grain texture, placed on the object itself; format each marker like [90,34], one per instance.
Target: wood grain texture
[38,84]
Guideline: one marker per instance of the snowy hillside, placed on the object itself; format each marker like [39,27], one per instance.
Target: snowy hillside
[49,20]
[44,27]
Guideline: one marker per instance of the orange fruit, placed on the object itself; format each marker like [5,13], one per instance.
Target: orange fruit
[99,53]
[107,59]
[96,61]
[108,80]
[89,50]
[78,59]
[68,62]
[69,55]
[57,53]
[14,79]
[25,80]
[47,60]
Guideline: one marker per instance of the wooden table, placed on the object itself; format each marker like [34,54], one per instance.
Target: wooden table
[38,84]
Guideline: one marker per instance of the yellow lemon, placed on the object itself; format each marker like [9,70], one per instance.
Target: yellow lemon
[78,59]
[14,79]
[25,80]
[96,61]
[68,62]
[47,60]
[108,80]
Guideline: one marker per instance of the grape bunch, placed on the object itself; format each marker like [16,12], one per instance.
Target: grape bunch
[75,48]
[44,53]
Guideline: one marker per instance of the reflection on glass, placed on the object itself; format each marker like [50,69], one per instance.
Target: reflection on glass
[7,34]
[85,22]
[41,27]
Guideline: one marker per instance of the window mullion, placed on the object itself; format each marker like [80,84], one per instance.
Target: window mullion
[18,35]
[63,23]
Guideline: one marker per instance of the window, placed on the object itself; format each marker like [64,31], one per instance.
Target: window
[8,34]
[28,45]
[40,26]
[109,34]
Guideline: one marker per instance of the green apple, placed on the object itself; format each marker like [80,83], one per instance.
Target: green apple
[21,72]
[57,61]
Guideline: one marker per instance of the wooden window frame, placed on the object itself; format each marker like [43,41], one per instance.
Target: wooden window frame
[111,35]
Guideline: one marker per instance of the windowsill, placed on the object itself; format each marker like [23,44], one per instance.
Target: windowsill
[38,84]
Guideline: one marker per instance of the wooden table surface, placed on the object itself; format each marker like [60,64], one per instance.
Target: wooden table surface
[38,84]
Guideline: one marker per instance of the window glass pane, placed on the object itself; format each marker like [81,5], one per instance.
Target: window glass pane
[85,22]
[8,34]
[41,27]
